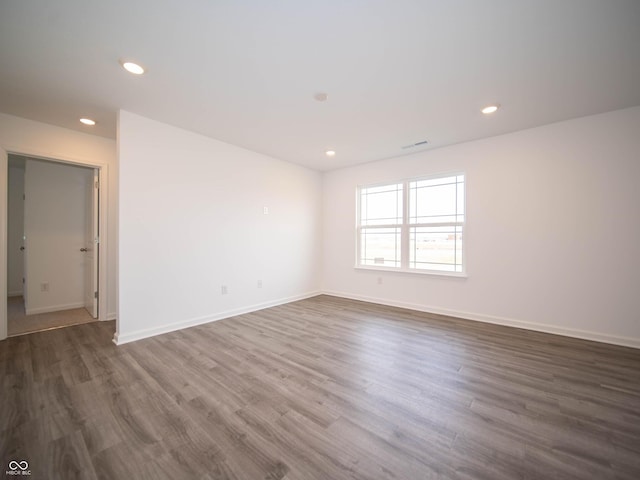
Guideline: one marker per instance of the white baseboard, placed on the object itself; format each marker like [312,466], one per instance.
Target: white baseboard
[119,339]
[53,308]
[111,316]
[508,322]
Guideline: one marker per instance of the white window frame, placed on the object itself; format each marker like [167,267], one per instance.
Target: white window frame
[406,226]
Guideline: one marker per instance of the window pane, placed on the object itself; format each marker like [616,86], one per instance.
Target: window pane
[438,200]
[436,248]
[460,204]
[381,205]
[380,247]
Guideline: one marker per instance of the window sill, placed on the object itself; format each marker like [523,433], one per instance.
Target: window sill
[430,273]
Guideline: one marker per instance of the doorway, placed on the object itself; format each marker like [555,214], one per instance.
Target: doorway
[52,244]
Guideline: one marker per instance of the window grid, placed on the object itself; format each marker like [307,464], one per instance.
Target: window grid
[452,257]
[374,226]
[373,254]
[426,226]
[371,193]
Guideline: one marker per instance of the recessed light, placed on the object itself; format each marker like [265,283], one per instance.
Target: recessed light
[87,121]
[321,97]
[490,109]
[133,68]
[330,153]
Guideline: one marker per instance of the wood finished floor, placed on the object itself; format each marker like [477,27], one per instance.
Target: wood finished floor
[324,388]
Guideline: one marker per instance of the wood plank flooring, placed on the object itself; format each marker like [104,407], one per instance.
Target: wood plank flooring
[324,388]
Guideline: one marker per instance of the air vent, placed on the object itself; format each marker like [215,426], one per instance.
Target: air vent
[417,144]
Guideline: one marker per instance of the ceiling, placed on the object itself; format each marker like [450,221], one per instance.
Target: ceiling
[397,72]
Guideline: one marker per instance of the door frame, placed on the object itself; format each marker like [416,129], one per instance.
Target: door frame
[103,175]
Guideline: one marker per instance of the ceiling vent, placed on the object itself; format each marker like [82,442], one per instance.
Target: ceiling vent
[417,144]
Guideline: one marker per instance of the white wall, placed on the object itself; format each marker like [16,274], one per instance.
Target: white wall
[19,135]
[55,227]
[553,230]
[15,229]
[191,220]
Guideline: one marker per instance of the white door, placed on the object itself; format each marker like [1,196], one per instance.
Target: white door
[92,247]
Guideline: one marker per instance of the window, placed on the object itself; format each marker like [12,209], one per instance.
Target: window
[412,225]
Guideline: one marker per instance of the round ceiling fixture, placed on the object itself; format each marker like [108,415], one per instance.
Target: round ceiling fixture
[321,97]
[490,109]
[87,121]
[330,153]
[133,68]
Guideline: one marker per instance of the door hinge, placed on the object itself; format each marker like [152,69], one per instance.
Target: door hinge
[24,196]
[23,280]
[95,295]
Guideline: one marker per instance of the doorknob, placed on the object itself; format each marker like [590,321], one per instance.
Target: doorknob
[83,249]
[22,249]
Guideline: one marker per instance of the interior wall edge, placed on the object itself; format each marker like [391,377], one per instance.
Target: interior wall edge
[4,179]
[506,322]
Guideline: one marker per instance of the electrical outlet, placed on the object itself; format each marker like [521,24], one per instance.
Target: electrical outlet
[224,290]
[265,210]
[44,287]
[259,283]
